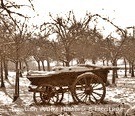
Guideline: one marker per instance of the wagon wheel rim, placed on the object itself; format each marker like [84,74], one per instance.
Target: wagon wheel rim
[89,88]
[49,95]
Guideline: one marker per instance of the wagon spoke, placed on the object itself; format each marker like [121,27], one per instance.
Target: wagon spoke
[85,99]
[91,79]
[80,93]
[95,85]
[97,93]
[94,97]
[88,81]
[83,96]
[90,99]
[54,99]
[101,88]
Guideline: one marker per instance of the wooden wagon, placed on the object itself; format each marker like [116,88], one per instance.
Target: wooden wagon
[85,82]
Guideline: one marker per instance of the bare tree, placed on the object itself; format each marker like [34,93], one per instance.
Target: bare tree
[123,33]
[128,53]
[42,52]
[7,9]
[19,53]
[42,46]
[68,30]
[87,45]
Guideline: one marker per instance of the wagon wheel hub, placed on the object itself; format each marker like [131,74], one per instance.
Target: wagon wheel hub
[88,90]
[45,96]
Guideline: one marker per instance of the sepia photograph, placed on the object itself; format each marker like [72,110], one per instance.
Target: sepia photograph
[67,58]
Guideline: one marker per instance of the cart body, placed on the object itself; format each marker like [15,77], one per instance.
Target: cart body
[75,78]
[64,76]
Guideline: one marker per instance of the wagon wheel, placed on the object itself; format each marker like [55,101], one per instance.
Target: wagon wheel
[49,94]
[45,94]
[89,88]
[37,95]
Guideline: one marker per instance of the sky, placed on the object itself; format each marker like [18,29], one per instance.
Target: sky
[121,12]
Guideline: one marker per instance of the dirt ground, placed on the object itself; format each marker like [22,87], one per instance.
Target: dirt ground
[119,100]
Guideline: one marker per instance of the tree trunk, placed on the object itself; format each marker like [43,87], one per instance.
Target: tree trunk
[93,61]
[67,63]
[20,69]
[63,63]
[81,60]
[48,64]
[115,75]
[68,57]
[103,62]
[6,68]
[16,95]
[125,63]
[2,80]
[132,69]
[43,65]
[39,69]
[107,62]
[27,66]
